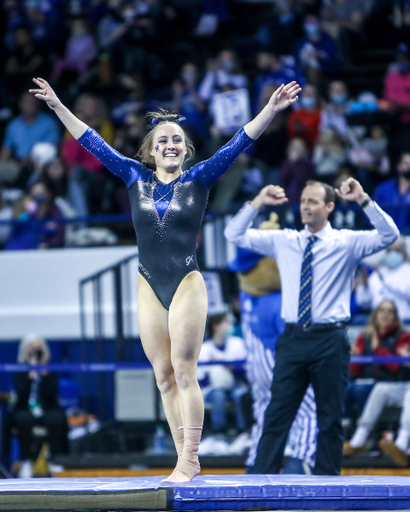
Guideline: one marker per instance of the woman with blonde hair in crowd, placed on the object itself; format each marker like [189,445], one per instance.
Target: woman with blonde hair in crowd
[36,404]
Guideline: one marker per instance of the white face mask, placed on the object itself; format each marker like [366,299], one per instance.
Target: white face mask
[230,331]
[308,102]
[394,259]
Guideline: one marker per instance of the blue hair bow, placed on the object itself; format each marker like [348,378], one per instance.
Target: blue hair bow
[179,120]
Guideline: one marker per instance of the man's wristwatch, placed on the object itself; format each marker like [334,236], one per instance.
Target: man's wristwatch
[366,202]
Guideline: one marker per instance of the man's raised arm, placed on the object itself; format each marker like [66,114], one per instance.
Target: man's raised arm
[238,229]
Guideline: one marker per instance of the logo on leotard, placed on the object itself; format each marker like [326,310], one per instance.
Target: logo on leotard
[190,259]
[144,270]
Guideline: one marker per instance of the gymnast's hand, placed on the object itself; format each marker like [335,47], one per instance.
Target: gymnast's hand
[269,196]
[284,96]
[45,93]
[351,190]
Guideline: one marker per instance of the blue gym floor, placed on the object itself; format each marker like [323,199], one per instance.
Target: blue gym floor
[205,493]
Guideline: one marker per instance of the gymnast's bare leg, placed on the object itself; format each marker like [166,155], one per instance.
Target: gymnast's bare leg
[172,342]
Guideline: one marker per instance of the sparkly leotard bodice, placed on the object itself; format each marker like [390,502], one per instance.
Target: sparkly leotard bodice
[166,217]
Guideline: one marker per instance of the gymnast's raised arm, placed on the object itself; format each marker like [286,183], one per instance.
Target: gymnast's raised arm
[46,93]
[125,168]
[284,96]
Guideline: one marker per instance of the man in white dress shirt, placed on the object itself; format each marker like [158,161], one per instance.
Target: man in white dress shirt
[316,266]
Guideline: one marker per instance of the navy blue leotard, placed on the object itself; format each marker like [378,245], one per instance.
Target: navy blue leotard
[166,217]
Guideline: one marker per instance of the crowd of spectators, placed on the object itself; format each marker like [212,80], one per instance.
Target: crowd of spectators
[216,63]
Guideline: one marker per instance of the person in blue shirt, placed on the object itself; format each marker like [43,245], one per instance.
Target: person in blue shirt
[28,128]
[273,70]
[394,194]
[317,53]
[167,209]
[188,103]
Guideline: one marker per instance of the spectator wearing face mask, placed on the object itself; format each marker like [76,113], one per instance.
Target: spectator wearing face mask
[35,227]
[333,116]
[328,156]
[224,90]
[187,102]
[273,70]
[390,281]
[369,152]
[223,73]
[304,122]
[37,404]
[316,53]
[395,194]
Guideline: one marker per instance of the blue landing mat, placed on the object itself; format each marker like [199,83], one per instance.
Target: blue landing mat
[239,492]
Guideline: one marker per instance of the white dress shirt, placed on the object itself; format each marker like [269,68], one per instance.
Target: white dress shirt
[336,254]
[395,286]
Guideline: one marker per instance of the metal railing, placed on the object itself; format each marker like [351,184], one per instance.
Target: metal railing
[113,367]
[121,300]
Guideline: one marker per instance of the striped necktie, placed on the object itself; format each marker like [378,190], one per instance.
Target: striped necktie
[305,295]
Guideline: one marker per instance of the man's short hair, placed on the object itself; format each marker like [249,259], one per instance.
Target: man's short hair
[330,194]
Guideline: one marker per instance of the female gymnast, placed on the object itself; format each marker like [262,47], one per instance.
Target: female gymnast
[167,210]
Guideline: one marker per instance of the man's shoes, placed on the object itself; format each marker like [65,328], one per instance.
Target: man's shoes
[399,457]
[348,449]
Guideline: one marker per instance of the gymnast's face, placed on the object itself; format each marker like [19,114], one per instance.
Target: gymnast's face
[169,148]
[314,210]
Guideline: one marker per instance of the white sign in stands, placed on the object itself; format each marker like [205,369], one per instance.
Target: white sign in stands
[231,110]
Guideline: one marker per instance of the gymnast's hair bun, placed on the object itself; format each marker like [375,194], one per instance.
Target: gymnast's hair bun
[163,115]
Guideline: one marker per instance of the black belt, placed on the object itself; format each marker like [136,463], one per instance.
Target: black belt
[316,327]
